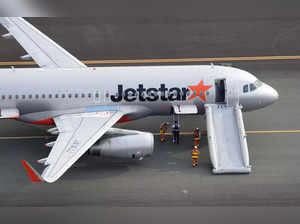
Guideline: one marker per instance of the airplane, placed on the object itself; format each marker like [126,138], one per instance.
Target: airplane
[85,102]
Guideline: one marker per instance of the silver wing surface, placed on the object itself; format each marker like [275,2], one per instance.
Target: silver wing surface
[77,133]
[45,52]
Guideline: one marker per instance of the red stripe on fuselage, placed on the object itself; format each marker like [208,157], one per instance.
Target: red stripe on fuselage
[13,117]
[48,121]
[124,119]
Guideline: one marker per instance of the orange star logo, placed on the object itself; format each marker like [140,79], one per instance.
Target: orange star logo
[199,90]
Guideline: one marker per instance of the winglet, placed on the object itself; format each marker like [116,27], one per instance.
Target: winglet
[32,173]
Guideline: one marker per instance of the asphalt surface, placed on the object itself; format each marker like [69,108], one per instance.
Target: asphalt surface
[139,37]
[167,178]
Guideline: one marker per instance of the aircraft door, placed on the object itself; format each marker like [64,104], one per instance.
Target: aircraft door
[220,91]
[232,93]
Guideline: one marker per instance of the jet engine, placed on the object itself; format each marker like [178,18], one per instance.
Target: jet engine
[127,144]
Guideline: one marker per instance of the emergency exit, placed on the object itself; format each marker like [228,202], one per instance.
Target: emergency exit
[220,90]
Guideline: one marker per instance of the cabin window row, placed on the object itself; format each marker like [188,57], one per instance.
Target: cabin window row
[49,96]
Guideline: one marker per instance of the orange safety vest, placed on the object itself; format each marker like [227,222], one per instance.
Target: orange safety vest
[163,128]
[195,154]
[196,135]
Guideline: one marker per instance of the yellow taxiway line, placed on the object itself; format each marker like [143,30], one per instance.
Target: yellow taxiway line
[273,131]
[166,60]
[182,133]
[247,132]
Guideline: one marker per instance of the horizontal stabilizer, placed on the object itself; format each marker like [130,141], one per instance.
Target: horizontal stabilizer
[32,173]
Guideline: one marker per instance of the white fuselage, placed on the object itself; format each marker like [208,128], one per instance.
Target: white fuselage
[41,94]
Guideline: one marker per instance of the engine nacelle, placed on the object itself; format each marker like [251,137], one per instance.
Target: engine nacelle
[136,145]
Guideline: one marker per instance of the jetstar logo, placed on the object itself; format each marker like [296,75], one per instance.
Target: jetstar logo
[162,93]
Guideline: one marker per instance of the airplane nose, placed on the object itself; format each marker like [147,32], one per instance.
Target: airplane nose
[271,95]
[275,95]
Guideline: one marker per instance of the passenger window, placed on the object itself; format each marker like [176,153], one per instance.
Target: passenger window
[29,96]
[17,97]
[36,96]
[56,95]
[23,97]
[252,87]
[50,96]
[245,88]
[10,97]
[76,95]
[82,95]
[3,97]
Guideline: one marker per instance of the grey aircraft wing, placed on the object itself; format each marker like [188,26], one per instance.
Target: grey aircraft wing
[45,52]
[77,133]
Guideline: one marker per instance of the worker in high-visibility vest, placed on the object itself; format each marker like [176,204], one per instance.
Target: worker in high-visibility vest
[163,131]
[195,156]
[176,132]
[196,137]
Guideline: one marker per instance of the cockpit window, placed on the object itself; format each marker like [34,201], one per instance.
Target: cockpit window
[252,87]
[245,88]
[255,85]
[258,83]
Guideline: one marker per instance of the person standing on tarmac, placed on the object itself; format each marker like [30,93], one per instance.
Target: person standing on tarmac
[176,133]
[162,131]
[195,156]
[196,137]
